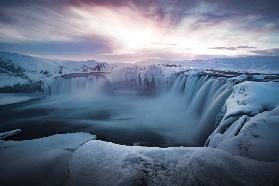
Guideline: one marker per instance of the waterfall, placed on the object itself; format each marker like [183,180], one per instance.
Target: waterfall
[204,98]
[60,85]
[201,96]
[147,82]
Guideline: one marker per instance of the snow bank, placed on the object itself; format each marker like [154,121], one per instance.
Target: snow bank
[250,125]
[252,97]
[256,138]
[41,161]
[103,163]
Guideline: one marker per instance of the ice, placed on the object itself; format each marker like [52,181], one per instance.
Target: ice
[250,123]
[78,159]
[4,135]
[256,138]
[252,97]
[234,115]
[139,77]
[41,161]
[20,69]
[103,163]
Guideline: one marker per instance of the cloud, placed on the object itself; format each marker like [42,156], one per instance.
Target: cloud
[267,52]
[166,27]
[79,49]
[233,48]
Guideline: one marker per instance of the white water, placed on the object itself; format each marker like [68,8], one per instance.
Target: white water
[203,98]
[79,85]
[186,113]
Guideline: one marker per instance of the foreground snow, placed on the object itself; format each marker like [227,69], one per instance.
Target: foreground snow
[38,162]
[103,163]
[78,159]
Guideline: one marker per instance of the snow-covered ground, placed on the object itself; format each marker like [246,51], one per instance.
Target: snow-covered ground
[239,112]
[103,163]
[39,162]
[78,159]
[261,64]
[22,69]
[242,150]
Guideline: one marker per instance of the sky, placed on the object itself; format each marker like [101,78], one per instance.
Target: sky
[135,30]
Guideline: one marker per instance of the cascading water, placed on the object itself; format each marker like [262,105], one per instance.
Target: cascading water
[184,113]
[203,98]
[76,85]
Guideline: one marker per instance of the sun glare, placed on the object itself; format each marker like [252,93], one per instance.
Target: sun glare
[130,32]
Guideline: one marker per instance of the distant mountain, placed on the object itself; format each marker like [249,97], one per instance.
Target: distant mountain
[262,64]
[17,69]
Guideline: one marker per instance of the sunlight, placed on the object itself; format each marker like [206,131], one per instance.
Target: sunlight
[125,27]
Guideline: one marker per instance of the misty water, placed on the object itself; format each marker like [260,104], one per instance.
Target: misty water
[183,115]
[125,118]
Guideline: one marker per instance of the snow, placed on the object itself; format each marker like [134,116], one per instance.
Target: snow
[139,76]
[104,163]
[4,135]
[259,77]
[252,97]
[10,80]
[37,69]
[250,124]
[79,159]
[261,64]
[256,138]
[239,78]
[41,161]
[242,150]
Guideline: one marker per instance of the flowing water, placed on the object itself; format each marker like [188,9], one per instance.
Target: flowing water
[184,113]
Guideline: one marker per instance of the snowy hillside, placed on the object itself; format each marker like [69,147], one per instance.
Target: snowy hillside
[17,69]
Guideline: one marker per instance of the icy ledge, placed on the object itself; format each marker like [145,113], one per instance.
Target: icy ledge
[41,161]
[250,124]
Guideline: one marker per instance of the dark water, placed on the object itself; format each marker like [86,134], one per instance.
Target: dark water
[127,118]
